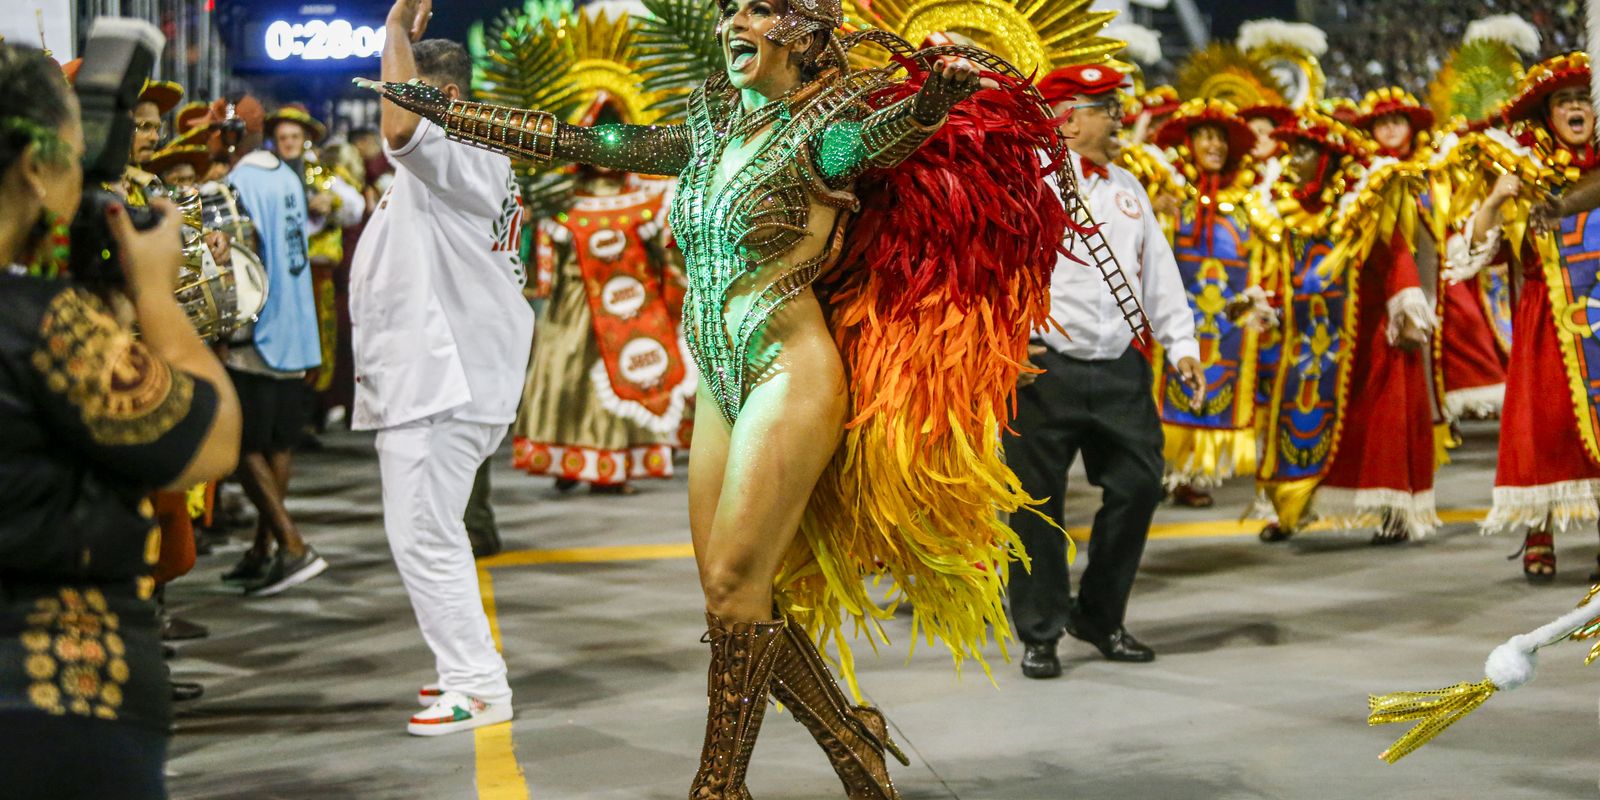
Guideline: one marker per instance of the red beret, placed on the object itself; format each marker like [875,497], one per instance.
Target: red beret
[1085,80]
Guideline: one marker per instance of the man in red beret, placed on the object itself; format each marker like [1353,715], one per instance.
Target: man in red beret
[1095,395]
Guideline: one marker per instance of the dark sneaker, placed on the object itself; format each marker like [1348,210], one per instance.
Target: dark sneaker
[252,567]
[285,572]
[178,629]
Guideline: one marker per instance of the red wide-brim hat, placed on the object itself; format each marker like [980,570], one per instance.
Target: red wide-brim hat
[1193,114]
[1545,79]
[1323,131]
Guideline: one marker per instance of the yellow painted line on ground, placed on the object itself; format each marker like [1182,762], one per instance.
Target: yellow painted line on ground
[499,776]
[590,555]
[1250,527]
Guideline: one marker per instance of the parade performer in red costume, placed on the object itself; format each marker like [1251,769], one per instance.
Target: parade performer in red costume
[1548,477]
[1475,345]
[609,384]
[1401,130]
[1218,261]
[1354,318]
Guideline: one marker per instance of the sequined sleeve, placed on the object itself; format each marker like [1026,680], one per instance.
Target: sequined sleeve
[541,137]
[880,141]
[648,149]
[106,395]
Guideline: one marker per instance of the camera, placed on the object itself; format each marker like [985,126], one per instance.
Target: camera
[117,61]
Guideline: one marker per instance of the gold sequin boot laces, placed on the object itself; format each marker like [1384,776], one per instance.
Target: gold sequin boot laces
[737,686]
[854,737]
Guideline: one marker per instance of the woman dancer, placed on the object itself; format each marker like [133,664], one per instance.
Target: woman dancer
[919,354]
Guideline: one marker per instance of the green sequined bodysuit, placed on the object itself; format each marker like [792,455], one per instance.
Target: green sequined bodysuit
[820,138]
[730,234]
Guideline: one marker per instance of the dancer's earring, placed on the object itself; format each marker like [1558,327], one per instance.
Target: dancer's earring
[54,247]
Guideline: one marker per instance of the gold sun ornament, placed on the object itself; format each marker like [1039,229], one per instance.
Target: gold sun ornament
[1289,50]
[1034,35]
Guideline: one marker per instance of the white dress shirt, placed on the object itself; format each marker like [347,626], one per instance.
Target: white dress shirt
[1080,301]
[437,316]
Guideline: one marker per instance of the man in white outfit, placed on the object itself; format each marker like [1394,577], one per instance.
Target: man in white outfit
[441,335]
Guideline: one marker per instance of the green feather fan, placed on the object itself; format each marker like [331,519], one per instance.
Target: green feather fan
[677,50]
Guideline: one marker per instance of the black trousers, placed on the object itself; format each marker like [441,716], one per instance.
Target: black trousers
[68,757]
[1104,410]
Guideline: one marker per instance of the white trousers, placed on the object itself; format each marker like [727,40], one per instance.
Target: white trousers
[427,469]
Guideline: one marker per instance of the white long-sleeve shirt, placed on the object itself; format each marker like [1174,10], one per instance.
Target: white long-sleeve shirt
[1080,301]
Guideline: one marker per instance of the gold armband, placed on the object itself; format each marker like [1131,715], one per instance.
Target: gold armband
[891,134]
[516,132]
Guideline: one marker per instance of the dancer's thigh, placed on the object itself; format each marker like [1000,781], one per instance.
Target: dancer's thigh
[708,460]
[785,436]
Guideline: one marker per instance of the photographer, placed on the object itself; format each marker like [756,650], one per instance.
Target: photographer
[91,421]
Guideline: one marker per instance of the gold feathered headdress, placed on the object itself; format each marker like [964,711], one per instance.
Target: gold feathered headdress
[1223,72]
[1484,71]
[1034,35]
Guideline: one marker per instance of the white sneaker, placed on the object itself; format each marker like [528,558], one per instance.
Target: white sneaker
[454,712]
[429,694]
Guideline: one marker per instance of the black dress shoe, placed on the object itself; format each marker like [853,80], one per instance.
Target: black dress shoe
[186,690]
[178,629]
[1272,534]
[1119,646]
[485,540]
[1039,661]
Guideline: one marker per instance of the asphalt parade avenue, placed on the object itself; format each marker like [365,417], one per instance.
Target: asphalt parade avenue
[1266,656]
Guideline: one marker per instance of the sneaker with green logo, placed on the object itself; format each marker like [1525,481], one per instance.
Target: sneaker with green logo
[454,712]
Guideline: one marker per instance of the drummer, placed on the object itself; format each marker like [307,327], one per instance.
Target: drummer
[180,166]
[155,100]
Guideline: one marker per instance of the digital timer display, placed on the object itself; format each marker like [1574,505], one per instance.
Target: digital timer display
[322,40]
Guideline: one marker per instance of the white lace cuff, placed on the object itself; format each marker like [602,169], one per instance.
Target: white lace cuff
[1462,260]
[1409,305]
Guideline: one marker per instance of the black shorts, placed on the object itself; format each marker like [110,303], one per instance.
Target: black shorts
[275,411]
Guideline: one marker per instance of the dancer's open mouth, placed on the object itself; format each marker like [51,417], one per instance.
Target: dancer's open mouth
[741,54]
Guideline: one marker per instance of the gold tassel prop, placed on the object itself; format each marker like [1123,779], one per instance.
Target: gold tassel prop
[1435,711]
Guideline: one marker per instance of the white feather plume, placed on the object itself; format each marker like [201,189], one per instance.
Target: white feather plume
[1299,35]
[1144,45]
[1592,12]
[615,8]
[1508,28]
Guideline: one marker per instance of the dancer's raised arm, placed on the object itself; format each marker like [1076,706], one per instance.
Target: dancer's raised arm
[529,134]
[889,135]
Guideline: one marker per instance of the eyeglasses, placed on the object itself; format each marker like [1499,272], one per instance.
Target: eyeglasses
[1109,106]
[147,127]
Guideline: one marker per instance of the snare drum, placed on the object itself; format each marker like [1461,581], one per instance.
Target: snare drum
[220,210]
[250,293]
[205,291]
